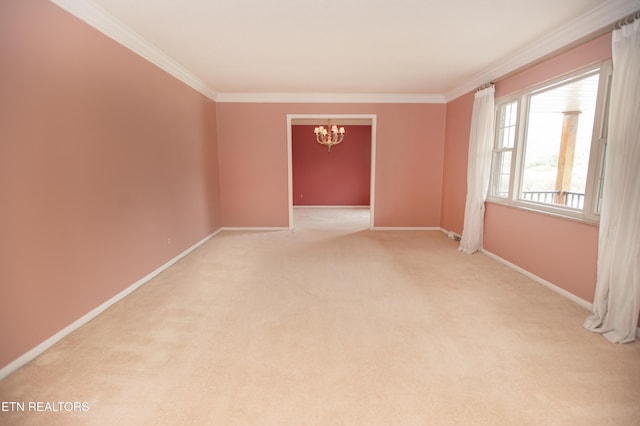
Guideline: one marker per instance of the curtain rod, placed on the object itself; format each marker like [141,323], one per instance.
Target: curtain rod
[484,86]
[627,20]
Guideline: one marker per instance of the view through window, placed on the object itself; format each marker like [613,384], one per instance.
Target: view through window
[550,145]
[558,143]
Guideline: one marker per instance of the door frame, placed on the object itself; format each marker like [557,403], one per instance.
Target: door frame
[371,118]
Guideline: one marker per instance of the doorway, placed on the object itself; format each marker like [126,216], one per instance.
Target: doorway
[339,119]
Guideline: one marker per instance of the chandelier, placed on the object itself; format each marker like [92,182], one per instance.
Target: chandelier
[329,136]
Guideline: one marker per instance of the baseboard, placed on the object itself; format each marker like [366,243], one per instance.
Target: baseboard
[588,306]
[405,228]
[34,352]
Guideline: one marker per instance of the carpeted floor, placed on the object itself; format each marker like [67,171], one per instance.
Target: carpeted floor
[333,324]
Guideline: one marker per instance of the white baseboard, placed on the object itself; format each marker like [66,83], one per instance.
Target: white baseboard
[588,306]
[34,352]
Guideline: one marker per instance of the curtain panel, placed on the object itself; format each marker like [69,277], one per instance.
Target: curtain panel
[478,169]
[617,300]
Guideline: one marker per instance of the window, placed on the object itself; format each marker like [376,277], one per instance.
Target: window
[550,145]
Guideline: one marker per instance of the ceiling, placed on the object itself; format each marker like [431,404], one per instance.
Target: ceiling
[417,48]
[579,95]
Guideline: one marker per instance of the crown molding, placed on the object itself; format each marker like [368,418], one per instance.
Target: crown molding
[597,19]
[578,29]
[356,98]
[99,19]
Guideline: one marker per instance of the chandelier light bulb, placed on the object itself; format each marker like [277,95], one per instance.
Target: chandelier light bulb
[329,138]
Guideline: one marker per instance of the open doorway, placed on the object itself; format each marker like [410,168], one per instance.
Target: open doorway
[340,120]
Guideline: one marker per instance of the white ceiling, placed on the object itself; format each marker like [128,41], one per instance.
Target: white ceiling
[358,47]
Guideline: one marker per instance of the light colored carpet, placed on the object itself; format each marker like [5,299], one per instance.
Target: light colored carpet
[333,324]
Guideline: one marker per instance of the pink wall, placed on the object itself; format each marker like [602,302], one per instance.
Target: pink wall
[456,151]
[340,177]
[103,158]
[561,251]
[586,54]
[253,161]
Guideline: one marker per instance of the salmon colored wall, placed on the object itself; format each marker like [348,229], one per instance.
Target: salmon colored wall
[340,177]
[103,158]
[561,251]
[253,161]
[456,151]
[586,54]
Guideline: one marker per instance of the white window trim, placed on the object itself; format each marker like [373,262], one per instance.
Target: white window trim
[598,141]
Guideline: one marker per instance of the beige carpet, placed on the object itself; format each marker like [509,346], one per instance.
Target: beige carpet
[333,324]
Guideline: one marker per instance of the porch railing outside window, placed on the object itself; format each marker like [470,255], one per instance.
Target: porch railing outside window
[574,200]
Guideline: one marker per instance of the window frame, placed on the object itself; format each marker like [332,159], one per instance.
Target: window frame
[593,186]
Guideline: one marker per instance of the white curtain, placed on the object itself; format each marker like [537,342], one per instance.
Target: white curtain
[478,169]
[617,298]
